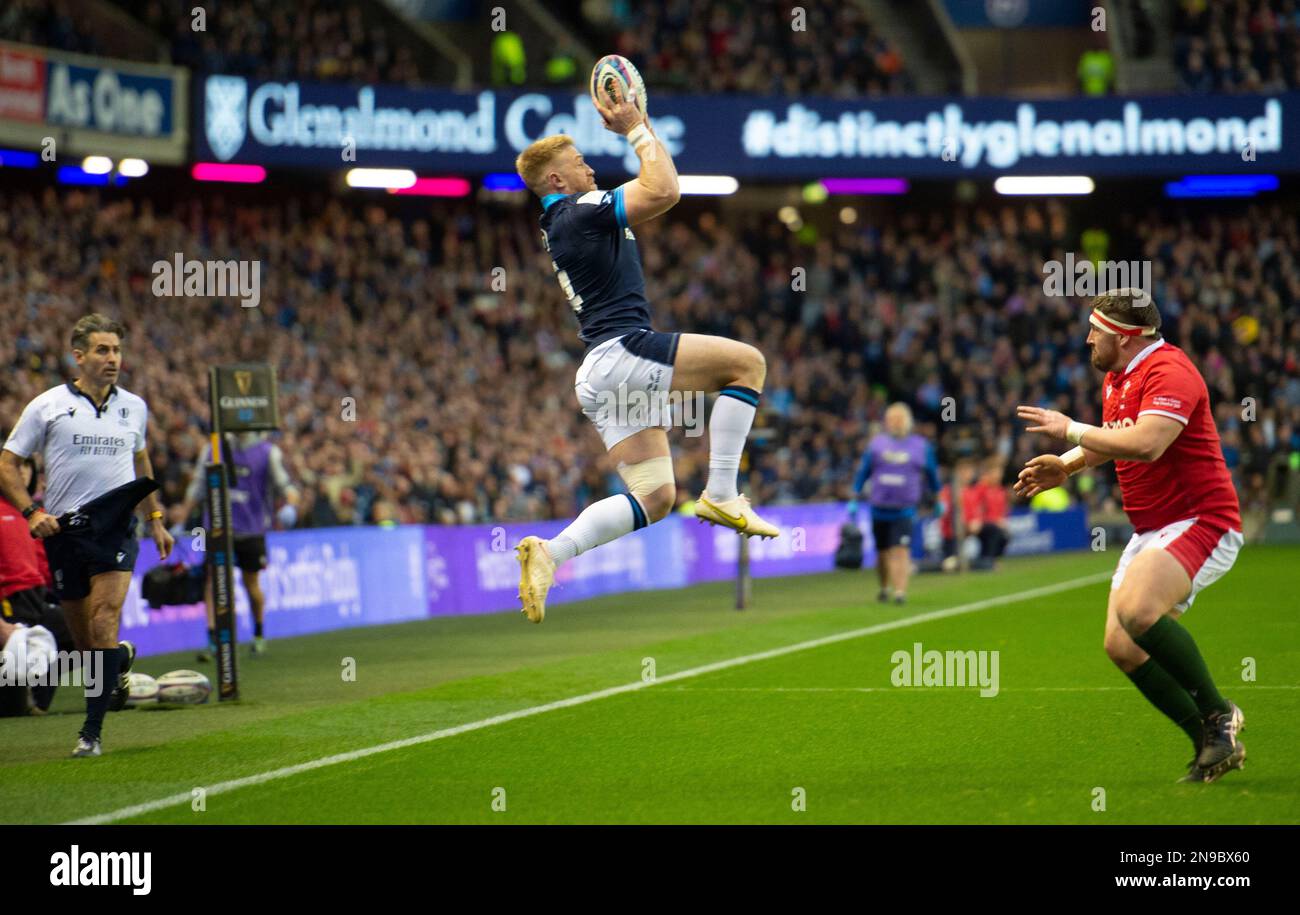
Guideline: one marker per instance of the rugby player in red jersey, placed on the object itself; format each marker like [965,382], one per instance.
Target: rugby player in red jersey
[1159,429]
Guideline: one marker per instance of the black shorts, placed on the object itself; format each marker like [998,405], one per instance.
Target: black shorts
[37,607]
[250,552]
[78,556]
[27,606]
[892,533]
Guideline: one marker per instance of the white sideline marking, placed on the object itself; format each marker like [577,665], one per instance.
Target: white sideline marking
[175,800]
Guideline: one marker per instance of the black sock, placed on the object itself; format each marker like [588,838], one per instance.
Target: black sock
[1175,650]
[97,706]
[257,628]
[1174,702]
[212,636]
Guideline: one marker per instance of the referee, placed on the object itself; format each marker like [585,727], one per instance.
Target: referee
[91,436]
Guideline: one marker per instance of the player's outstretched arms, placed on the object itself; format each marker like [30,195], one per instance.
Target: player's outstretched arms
[655,190]
[1048,471]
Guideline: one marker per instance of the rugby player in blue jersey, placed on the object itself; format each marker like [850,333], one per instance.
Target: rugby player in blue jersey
[588,233]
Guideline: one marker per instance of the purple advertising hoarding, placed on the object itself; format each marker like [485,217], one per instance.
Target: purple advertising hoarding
[315,580]
[332,578]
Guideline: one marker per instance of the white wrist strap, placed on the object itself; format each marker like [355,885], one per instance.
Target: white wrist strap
[1073,456]
[1075,432]
[638,135]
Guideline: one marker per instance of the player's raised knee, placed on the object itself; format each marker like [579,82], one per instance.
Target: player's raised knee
[660,502]
[652,484]
[750,367]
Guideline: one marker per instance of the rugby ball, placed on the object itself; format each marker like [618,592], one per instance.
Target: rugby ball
[183,687]
[613,79]
[141,689]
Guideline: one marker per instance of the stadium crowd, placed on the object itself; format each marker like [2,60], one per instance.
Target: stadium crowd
[698,45]
[725,46]
[326,40]
[1237,45]
[49,23]
[414,389]
[329,40]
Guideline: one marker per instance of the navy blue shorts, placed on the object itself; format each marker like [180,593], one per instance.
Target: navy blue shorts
[77,556]
[897,532]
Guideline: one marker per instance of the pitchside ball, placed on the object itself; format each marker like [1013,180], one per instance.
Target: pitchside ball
[183,687]
[613,79]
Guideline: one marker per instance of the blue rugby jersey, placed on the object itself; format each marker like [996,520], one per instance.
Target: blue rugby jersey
[596,261]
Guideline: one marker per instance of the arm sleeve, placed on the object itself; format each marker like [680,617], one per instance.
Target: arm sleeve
[864,471]
[1172,391]
[197,491]
[28,436]
[932,469]
[279,476]
[600,211]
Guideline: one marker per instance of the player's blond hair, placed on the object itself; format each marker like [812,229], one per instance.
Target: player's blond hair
[1129,306]
[532,162]
[903,410]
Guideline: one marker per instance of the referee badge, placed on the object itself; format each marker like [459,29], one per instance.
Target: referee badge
[123,416]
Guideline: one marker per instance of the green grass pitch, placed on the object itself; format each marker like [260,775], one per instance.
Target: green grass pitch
[728,745]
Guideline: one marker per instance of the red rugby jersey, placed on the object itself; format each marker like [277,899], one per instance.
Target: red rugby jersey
[1190,480]
[22,559]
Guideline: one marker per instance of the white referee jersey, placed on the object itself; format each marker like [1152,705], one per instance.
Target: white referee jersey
[87,451]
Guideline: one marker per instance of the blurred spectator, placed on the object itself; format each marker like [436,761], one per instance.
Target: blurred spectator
[509,63]
[1096,72]
[989,525]
[1237,45]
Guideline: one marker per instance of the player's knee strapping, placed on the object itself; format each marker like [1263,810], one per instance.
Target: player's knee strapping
[643,479]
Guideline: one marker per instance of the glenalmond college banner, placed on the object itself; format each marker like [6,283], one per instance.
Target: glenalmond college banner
[310,124]
[334,578]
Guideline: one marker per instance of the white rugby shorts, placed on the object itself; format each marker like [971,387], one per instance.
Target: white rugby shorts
[1205,549]
[623,384]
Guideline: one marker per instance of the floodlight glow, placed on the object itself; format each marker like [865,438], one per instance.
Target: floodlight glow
[388,178]
[97,165]
[133,168]
[1048,185]
[719,185]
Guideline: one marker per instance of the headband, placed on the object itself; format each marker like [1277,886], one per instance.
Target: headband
[1111,326]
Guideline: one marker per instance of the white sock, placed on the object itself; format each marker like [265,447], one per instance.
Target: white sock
[599,523]
[733,414]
